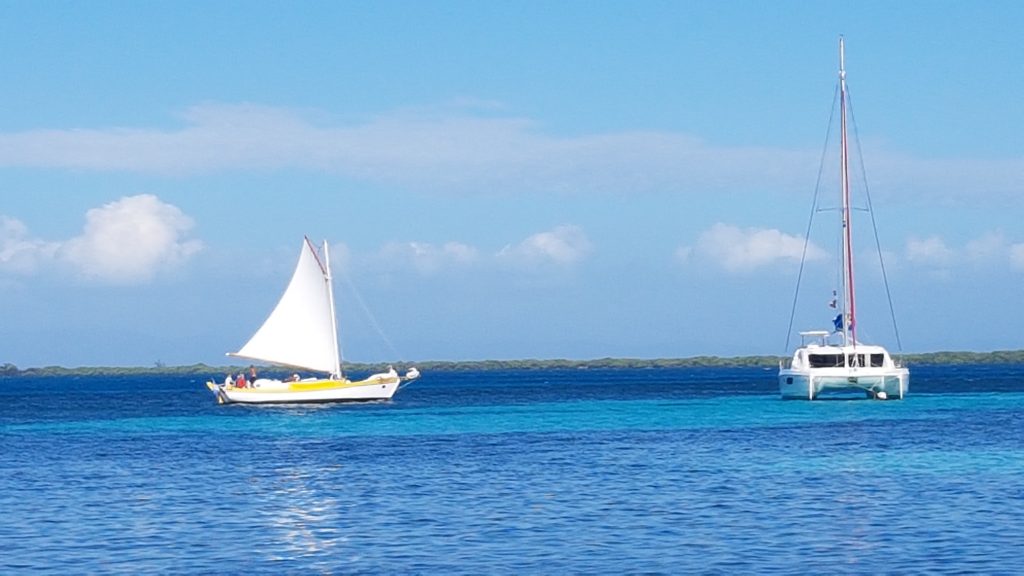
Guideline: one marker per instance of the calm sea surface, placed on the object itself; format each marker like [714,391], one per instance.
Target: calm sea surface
[515,472]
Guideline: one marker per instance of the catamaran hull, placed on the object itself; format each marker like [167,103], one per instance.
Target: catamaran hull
[309,392]
[808,385]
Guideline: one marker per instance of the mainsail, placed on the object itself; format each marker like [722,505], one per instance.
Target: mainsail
[301,331]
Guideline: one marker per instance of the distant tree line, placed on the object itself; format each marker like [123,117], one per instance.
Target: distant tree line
[206,371]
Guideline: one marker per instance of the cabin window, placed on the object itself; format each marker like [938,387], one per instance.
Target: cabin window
[857,360]
[826,360]
[877,360]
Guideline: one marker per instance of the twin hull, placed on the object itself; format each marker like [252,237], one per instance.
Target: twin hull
[809,384]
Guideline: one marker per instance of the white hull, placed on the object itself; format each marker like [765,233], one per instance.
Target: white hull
[881,383]
[376,387]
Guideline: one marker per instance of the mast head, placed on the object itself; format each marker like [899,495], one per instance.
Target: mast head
[842,58]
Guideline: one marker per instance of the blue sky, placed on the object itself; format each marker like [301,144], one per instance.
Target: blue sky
[500,180]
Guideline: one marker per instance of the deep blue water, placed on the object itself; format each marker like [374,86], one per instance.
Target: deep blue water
[514,472]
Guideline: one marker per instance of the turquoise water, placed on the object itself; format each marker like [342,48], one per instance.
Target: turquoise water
[578,471]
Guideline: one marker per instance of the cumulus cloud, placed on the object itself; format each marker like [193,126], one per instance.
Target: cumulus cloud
[566,244]
[130,240]
[428,258]
[931,250]
[745,249]
[124,242]
[990,246]
[1017,256]
[20,253]
[989,249]
[341,256]
[562,246]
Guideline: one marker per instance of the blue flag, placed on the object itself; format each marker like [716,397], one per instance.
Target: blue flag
[838,322]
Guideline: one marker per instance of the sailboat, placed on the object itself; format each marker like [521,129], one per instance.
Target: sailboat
[830,360]
[302,333]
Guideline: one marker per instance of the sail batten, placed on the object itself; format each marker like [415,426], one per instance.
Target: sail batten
[300,330]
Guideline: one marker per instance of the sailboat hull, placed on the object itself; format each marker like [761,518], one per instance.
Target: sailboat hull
[376,387]
[884,383]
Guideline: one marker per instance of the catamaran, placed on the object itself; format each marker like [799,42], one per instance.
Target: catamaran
[830,360]
[302,332]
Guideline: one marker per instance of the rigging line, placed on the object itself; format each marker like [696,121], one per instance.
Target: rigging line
[810,219]
[871,210]
[370,317]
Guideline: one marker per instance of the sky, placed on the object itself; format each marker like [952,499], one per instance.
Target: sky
[504,180]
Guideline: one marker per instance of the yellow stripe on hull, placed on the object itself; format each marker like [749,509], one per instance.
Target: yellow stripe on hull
[328,384]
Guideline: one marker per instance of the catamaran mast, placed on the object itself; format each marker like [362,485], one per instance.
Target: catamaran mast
[849,301]
[334,317]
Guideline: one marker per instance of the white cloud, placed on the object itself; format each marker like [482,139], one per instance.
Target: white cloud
[461,149]
[130,241]
[745,249]
[451,150]
[18,252]
[989,249]
[1017,256]
[428,258]
[564,245]
[341,256]
[127,241]
[930,251]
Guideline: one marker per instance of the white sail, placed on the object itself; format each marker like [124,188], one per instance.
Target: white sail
[300,331]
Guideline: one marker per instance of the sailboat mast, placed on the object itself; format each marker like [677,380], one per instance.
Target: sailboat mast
[334,317]
[849,301]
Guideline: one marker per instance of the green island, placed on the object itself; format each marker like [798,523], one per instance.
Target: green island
[204,370]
